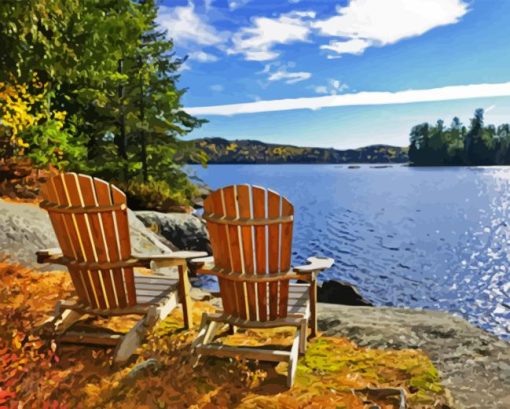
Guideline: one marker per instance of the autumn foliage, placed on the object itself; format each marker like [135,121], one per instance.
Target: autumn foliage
[36,373]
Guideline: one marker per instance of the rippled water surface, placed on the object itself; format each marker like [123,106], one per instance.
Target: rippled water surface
[436,238]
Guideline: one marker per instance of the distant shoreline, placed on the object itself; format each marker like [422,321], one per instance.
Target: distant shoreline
[381,165]
[372,164]
[222,151]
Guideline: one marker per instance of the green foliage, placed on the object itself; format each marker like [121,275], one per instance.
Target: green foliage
[107,65]
[457,145]
[30,128]
[50,144]
[156,195]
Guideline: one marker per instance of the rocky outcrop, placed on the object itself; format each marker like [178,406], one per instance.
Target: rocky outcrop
[202,192]
[186,231]
[25,228]
[474,365]
[340,292]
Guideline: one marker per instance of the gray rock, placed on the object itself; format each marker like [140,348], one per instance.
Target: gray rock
[340,292]
[197,294]
[144,240]
[203,192]
[151,365]
[473,363]
[26,228]
[186,231]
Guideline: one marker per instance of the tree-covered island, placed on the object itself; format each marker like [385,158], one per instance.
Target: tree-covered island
[474,145]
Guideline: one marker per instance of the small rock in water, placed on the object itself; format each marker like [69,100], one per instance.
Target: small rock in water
[339,292]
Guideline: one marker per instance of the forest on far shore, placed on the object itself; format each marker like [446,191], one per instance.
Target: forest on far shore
[474,145]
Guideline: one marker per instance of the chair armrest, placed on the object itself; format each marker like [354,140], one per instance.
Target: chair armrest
[203,265]
[315,264]
[200,262]
[175,258]
[52,256]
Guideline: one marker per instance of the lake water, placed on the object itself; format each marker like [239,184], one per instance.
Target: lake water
[436,238]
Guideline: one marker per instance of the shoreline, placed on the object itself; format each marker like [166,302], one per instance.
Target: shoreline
[474,364]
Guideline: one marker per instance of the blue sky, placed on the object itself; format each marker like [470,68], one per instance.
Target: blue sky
[322,63]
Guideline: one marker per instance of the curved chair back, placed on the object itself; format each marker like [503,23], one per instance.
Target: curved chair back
[89,217]
[251,238]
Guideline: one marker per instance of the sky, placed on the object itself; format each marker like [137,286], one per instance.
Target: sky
[339,73]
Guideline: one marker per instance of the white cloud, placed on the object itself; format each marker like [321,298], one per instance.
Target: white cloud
[361,98]
[334,87]
[216,88]
[235,4]
[185,26]
[289,77]
[355,46]
[279,72]
[202,56]
[365,23]
[321,89]
[257,41]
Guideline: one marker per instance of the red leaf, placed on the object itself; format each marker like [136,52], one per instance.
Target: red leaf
[6,395]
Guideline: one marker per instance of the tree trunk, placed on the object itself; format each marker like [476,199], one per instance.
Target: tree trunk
[142,132]
[122,140]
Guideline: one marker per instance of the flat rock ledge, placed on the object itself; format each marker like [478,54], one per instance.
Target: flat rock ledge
[474,365]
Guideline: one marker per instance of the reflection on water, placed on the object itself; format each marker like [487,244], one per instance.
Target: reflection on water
[429,237]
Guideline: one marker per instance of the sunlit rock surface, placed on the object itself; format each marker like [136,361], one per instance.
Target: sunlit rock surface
[475,365]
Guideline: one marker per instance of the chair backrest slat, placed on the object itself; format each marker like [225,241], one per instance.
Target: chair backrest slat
[234,247]
[259,211]
[93,237]
[273,210]
[72,188]
[245,211]
[285,254]
[90,198]
[104,197]
[214,205]
[251,249]
[71,224]
[122,230]
[64,236]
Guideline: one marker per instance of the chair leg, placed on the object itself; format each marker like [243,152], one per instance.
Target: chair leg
[202,332]
[184,295]
[205,335]
[134,338]
[61,321]
[293,357]
[302,338]
[313,307]
[211,331]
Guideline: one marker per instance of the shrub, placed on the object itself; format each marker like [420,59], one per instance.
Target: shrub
[157,195]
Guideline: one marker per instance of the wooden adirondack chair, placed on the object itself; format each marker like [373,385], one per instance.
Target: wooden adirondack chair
[90,220]
[251,237]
